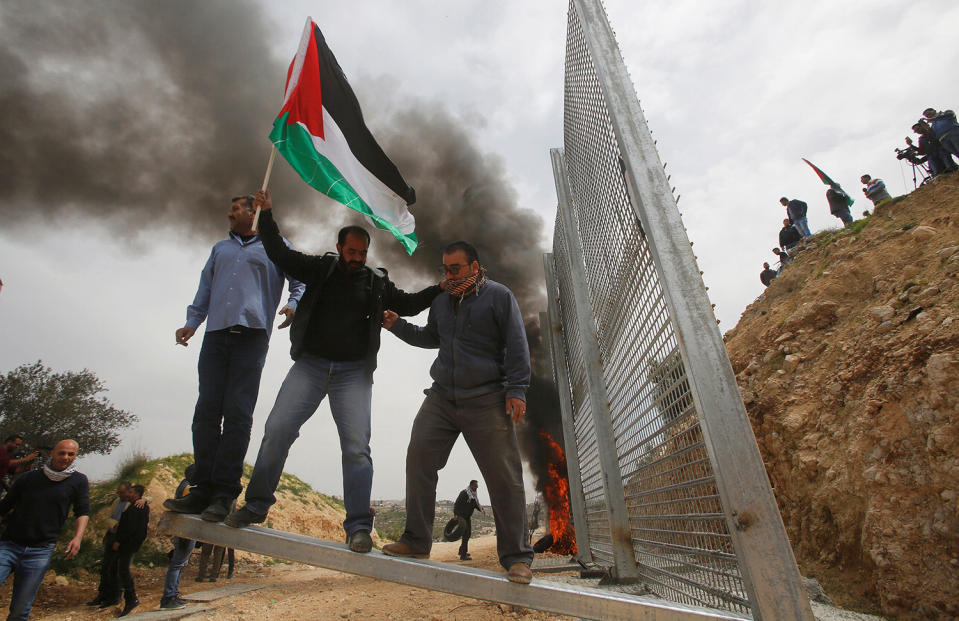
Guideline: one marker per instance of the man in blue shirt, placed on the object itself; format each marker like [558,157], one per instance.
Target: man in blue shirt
[945,127]
[240,288]
[480,378]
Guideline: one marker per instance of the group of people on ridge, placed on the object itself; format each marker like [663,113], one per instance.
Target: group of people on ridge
[938,143]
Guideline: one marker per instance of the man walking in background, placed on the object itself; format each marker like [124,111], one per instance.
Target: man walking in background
[34,513]
[107,592]
[240,289]
[335,339]
[480,378]
[463,508]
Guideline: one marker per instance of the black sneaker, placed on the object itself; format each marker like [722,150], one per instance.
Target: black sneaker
[361,542]
[466,557]
[191,503]
[130,605]
[218,510]
[96,601]
[109,602]
[172,603]
[244,517]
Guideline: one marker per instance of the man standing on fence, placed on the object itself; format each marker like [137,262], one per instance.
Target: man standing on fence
[463,508]
[480,378]
[239,291]
[335,339]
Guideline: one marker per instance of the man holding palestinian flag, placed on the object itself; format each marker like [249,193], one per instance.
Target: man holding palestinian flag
[336,331]
[839,201]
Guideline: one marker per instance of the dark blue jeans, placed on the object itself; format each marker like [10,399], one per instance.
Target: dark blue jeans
[229,367]
[349,386]
[28,564]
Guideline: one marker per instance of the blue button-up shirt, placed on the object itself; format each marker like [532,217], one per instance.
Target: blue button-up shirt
[239,285]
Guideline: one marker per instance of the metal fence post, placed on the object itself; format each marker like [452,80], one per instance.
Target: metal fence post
[766,559]
[551,328]
[624,567]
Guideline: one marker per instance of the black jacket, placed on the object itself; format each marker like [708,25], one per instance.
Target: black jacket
[465,505]
[132,529]
[313,271]
[796,209]
[788,235]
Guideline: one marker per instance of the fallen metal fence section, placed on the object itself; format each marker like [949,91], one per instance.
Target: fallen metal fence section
[673,486]
[549,596]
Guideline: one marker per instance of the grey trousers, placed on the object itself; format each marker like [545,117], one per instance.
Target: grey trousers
[491,438]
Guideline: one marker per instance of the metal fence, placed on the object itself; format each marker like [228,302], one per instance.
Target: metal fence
[673,491]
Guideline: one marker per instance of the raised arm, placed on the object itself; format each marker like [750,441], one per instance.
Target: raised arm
[297,265]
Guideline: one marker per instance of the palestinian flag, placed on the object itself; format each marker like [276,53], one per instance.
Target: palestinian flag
[321,133]
[826,180]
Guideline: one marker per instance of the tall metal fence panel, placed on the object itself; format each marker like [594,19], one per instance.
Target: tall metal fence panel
[702,524]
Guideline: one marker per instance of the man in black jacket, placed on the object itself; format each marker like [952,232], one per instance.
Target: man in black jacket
[335,338]
[788,235]
[796,212]
[130,534]
[463,509]
[34,513]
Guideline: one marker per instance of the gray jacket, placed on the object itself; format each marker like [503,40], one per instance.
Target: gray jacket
[482,345]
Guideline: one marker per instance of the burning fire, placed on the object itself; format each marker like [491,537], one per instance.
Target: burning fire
[556,494]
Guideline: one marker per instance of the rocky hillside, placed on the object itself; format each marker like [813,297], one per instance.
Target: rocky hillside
[849,367]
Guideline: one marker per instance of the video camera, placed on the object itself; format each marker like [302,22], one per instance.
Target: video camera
[910,154]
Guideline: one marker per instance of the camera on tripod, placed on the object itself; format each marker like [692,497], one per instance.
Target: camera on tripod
[910,154]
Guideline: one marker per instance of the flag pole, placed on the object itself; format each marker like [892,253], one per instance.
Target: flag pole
[266,182]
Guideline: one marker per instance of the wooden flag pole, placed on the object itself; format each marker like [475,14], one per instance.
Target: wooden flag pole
[266,182]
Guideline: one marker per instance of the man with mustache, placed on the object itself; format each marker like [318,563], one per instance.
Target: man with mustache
[335,338]
[480,378]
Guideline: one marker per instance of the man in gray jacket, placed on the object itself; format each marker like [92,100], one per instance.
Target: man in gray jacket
[480,378]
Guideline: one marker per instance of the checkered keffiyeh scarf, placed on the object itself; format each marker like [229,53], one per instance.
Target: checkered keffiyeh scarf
[464,286]
[58,475]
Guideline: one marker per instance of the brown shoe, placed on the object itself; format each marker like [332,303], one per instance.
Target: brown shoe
[519,573]
[401,549]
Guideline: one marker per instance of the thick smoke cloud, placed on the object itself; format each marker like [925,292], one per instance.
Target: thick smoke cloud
[138,113]
[144,116]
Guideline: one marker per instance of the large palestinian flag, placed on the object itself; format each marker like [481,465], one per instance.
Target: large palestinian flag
[321,133]
[826,179]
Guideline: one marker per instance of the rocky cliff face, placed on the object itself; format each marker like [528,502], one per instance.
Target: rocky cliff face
[849,368]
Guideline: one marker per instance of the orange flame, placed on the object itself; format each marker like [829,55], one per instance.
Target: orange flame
[556,494]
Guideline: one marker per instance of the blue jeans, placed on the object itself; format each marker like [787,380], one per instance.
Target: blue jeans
[950,142]
[182,549]
[350,388]
[229,368]
[802,226]
[28,564]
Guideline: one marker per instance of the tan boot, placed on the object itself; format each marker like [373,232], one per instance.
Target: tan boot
[519,573]
[401,549]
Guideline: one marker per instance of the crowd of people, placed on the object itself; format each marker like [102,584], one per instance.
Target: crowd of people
[336,307]
[938,133]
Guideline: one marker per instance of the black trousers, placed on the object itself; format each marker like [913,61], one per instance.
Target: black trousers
[467,523]
[115,575]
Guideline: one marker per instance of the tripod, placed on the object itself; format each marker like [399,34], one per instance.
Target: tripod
[920,171]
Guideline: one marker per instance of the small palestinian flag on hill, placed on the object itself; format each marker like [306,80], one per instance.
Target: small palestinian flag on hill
[828,181]
[321,133]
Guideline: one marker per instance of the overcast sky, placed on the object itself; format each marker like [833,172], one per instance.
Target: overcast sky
[735,93]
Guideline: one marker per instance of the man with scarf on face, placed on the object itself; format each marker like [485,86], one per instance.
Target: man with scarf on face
[463,508]
[480,378]
[335,338]
[34,512]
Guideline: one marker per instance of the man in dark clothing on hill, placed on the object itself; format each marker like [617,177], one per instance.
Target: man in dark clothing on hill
[767,275]
[9,463]
[839,203]
[463,509]
[945,128]
[796,212]
[34,513]
[788,235]
[335,338]
[938,158]
[130,534]
[480,378]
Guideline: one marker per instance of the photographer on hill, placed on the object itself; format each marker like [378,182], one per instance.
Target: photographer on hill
[945,128]
[931,151]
